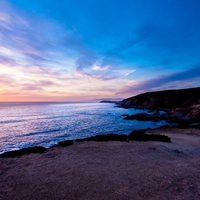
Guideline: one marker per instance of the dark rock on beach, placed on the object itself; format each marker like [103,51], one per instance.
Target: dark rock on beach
[140,135]
[137,135]
[24,151]
[30,150]
[66,143]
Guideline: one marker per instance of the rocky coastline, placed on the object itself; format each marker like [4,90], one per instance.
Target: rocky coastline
[136,135]
[181,107]
[114,166]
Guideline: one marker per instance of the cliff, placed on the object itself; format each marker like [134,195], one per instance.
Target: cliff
[185,102]
[167,99]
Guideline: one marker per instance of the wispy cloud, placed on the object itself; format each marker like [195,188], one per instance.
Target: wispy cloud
[100,68]
[175,80]
[56,52]
[6,80]
[36,48]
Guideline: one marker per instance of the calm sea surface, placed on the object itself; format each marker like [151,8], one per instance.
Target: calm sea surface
[45,124]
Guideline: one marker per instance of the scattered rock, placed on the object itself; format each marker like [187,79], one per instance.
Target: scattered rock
[66,143]
[24,151]
[145,117]
[141,136]
[137,135]
[183,104]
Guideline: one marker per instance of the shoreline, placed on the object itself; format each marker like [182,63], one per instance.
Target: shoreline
[136,135]
[108,170]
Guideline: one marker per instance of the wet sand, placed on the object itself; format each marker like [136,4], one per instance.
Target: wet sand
[108,170]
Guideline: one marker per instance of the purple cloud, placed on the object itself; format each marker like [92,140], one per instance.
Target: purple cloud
[30,87]
[6,80]
[7,61]
[31,39]
[190,75]
[44,45]
[37,85]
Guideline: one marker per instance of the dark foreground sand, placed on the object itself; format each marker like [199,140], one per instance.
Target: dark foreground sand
[108,170]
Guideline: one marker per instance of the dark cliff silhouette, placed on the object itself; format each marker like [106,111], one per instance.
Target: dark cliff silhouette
[167,99]
[183,103]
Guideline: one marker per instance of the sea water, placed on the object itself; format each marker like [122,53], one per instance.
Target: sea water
[24,125]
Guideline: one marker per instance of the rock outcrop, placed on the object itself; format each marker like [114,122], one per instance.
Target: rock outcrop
[167,99]
[183,103]
[136,135]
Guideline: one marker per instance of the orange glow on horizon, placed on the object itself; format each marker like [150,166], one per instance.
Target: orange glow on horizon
[52,98]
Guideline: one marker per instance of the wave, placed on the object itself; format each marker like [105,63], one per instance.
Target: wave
[43,132]
[11,121]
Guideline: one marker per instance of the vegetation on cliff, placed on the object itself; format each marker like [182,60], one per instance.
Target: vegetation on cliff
[166,99]
[183,103]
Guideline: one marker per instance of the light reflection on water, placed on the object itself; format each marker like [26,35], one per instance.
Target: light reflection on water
[29,124]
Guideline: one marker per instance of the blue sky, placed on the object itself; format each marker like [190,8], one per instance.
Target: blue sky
[80,50]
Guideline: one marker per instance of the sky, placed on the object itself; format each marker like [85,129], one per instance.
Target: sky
[72,50]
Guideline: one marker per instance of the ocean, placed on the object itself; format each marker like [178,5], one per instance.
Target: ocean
[25,125]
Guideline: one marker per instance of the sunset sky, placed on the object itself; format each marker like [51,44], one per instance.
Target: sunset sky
[72,50]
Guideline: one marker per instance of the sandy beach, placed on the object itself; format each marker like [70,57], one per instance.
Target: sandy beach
[108,170]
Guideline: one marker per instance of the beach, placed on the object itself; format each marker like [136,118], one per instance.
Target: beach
[99,100]
[108,170]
